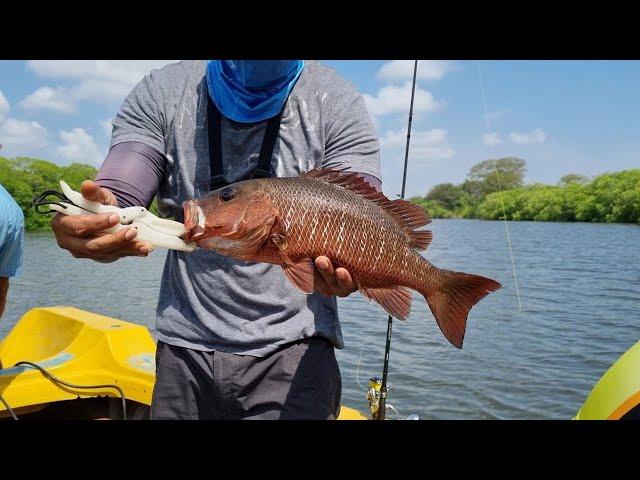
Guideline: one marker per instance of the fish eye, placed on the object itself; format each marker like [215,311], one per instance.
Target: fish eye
[227,194]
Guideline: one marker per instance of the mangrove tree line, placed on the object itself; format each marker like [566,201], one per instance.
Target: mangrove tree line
[610,197]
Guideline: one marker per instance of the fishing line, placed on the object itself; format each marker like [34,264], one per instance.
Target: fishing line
[364,342]
[358,365]
[489,131]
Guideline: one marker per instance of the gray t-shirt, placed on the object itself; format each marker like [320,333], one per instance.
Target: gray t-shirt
[209,301]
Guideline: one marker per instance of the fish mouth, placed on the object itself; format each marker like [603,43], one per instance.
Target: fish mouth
[195,227]
[193,221]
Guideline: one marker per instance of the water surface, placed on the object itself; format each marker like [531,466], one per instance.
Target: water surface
[580,295]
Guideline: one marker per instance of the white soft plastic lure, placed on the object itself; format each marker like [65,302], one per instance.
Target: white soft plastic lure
[157,231]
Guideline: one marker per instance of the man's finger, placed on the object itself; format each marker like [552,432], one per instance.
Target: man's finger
[81,225]
[135,247]
[321,286]
[114,255]
[109,242]
[92,191]
[109,258]
[325,267]
[345,282]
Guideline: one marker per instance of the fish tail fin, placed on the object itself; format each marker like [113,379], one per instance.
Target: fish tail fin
[452,299]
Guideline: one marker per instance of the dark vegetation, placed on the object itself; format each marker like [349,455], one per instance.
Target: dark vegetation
[496,184]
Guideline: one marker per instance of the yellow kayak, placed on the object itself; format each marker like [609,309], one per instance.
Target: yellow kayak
[616,396]
[112,359]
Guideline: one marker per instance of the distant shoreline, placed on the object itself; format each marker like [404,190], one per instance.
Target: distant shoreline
[607,198]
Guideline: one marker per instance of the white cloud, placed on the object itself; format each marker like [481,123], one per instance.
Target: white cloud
[97,80]
[102,90]
[535,136]
[4,106]
[491,138]
[20,137]
[403,70]
[426,145]
[107,127]
[394,99]
[78,146]
[47,98]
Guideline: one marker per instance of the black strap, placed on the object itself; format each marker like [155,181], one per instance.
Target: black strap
[263,168]
[214,121]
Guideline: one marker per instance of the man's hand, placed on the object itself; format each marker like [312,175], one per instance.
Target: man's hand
[82,235]
[330,281]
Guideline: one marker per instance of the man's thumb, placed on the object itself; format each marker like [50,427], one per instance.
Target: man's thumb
[92,191]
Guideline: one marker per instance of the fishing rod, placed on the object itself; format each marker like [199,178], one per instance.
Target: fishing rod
[382,405]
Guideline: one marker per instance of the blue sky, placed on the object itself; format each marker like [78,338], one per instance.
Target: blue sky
[560,116]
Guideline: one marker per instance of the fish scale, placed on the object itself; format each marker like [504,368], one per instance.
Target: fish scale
[361,225]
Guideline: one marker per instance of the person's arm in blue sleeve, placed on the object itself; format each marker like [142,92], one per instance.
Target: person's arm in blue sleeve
[11,243]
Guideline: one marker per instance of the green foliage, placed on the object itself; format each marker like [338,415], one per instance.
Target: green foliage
[573,178]
[433,208]
[153,208]
[24,178]
[611,197]
[449,196]
[495,175]
[475,189]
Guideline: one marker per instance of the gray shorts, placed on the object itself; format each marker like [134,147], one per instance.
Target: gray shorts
[300,381]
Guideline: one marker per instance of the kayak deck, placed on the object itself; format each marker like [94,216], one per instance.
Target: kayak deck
[80,348]
[616,396]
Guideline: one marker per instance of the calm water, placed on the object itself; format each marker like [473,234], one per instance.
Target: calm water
[580,294]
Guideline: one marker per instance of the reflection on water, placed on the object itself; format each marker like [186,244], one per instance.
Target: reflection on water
[580,289]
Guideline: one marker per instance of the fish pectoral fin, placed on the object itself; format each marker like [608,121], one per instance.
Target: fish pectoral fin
[395,300]
[301,274]
[280,241]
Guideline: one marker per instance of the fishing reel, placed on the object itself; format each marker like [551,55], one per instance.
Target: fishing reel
[374,396]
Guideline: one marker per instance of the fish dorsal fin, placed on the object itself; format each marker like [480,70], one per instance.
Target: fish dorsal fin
[407,215]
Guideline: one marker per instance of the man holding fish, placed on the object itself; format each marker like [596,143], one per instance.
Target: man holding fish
[274,169]
[236,340]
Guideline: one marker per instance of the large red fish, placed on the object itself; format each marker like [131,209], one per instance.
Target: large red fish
[291,221]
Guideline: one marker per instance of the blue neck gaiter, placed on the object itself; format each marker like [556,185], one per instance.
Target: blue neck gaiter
[250,91]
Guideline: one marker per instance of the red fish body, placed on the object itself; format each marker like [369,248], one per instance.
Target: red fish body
[291,221]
